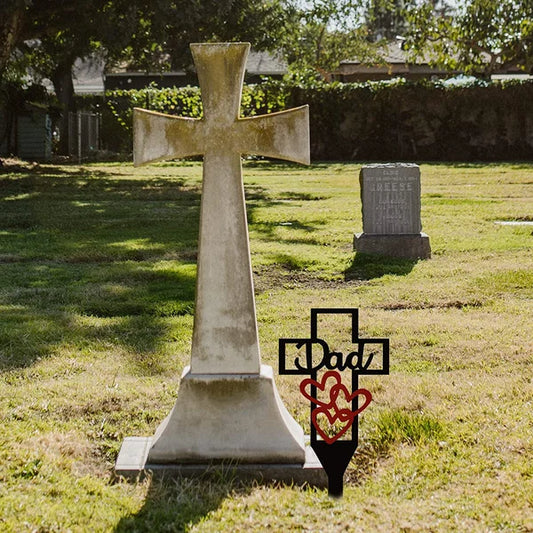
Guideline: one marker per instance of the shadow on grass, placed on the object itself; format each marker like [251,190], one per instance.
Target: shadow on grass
[177,505]
[366,267]
[81,314]
[87,260]
[36,169]
[258,198]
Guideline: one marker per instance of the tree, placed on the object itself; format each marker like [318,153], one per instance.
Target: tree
[152,33]
[477,37]
[11,25]
[322,34]
[12,65]
[45,39]
[385,19]
[165,29]
[64,31]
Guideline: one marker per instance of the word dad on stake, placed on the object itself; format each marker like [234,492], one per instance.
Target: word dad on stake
[330,422]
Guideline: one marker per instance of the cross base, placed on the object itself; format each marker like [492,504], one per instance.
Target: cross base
[228,417]
[132,464]
[405,246]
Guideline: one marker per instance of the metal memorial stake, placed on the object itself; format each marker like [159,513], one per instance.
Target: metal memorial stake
[334,428]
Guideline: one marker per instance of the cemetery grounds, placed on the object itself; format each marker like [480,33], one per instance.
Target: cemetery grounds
[97,280]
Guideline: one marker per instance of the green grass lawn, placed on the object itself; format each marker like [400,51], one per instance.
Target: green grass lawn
[97,280]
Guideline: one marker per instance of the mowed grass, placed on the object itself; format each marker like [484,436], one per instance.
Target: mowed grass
[97,280]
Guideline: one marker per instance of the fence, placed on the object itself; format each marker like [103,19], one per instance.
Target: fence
[83,134]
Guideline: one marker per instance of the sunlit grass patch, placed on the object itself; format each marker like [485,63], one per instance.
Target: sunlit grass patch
[397,427]
[97,281]
[517,282]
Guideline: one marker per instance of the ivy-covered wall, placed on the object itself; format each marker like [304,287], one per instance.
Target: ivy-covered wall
[380,121]
[420,122]
[117,107]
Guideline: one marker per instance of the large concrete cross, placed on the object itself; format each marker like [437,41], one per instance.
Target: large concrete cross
[228,407]
[225,337]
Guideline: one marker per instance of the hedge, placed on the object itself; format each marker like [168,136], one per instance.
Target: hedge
[380,121]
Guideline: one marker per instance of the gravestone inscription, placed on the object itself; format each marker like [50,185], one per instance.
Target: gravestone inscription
[390,197]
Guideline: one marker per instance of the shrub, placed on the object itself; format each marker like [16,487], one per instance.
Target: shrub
[393,120]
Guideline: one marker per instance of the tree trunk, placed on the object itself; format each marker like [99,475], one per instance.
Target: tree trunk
[11,22]
[64,89]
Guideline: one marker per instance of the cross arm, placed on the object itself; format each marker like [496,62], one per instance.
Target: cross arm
[282,135]
[157,136]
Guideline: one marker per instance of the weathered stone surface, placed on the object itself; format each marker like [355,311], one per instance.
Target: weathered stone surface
[408,246]
[225,417]
[390,198]
[133,464]
[225,338]
[228,407]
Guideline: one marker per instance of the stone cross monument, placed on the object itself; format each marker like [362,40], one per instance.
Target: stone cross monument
[228,407]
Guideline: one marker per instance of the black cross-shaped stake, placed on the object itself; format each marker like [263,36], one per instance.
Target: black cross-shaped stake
[367,356]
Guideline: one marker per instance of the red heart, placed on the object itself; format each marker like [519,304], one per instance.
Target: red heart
[321,386]
[341,415]
[344,415]
[323,408]
[337,389]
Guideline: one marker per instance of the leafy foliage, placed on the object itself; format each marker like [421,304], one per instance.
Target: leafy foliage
[323,33]
[164,29]
[185,101]
[11,23]
[152,35]
[419,121]
[477,37]
[395,120]
[386,19]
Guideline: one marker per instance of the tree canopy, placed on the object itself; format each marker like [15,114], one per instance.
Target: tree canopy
[474,36]
[45,37]
[386,19]
[163,30]
[323,33]
[49,36]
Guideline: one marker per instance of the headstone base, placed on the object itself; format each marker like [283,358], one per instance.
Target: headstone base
[228,417]
[132,464]
[404,246]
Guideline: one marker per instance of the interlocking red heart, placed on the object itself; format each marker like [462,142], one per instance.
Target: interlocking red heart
[321,386]
[327,416]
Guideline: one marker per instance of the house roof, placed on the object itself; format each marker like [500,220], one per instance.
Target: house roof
[393,54]
[395,61]
[89,73]
[258,63]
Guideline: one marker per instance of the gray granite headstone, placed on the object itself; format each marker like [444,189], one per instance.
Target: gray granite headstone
[390,197]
